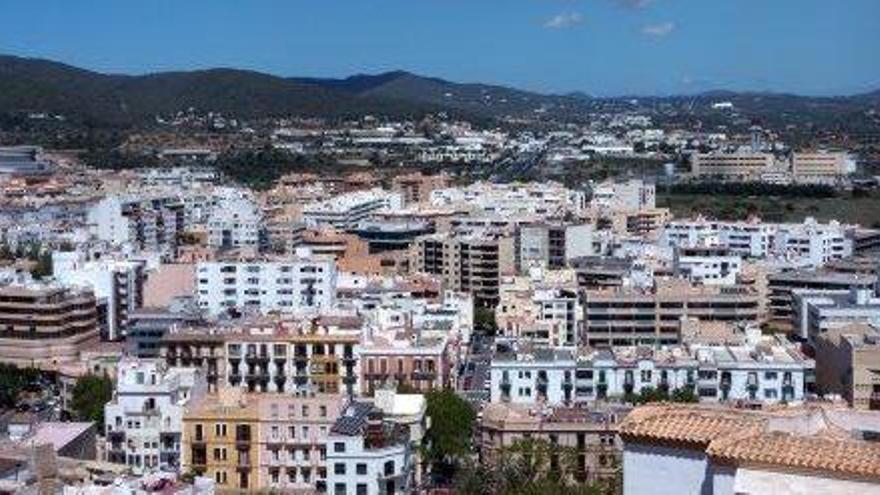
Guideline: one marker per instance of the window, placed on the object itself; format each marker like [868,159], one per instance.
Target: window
[361,489]
[291,432]
[339,447]
[220,429]
[339,468]
[361,469]
[389,468]
[339,489]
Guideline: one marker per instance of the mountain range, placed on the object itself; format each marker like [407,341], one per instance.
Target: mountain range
[36,85]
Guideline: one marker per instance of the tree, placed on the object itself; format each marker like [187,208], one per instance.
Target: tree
[484,319]
[452,424]
[529,466]
[13,381]
[90,394]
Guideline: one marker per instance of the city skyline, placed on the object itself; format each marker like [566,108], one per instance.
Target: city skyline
[598,47]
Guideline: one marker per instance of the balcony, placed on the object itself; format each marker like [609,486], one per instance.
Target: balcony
[423,375]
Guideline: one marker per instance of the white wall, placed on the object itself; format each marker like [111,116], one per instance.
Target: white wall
[652,470]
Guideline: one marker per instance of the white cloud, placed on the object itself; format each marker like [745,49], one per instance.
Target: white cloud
[563,21]
[659,30]
[635,4]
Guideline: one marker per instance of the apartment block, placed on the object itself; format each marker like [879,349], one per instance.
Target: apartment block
[732,165]
[143,422]
[780,286]
[816,311]
[763,370]
[848,364]
[345,211]
[466,262]
[807,166]
[146,223]
[45,325]
[706,265]
[551,245]
[590,434]
[118,286]
[368,455]
[301,283]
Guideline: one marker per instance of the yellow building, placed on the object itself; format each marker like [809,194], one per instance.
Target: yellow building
[220,440]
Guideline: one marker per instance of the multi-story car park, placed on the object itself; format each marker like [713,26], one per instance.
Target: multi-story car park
[781,284]
[627,316]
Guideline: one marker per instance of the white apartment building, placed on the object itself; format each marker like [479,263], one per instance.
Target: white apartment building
[630,195]
[767,371]
[810,242]
[144,420]
[302,283]
[707,265]
[816,243]
[368,455]
[118,286]
[347,210]
[816,311]
[147,223]
[533,198]
[235,222]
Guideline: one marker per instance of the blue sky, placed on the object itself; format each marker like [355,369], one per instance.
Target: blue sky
[602,47]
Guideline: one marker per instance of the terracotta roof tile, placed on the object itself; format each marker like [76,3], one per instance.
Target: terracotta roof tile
[823,453]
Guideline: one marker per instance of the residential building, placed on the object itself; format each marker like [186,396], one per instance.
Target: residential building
[676,448]
[590,434]
[368,455]
[415,188]
[706,265]
[468,262]
[118,286]
[235,223]
[44,325]
[551,245]
[739,165]
[815,312]
[766,370]
[848,364]
[143,222]
[807,166]
[304,282]
[345,211]
[147,326]
[143,422]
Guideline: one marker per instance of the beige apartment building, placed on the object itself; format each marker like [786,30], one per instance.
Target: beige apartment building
[416,187]
[734,165]
[43,326]
[589,434]
[848,364]
[805,166]
[250,442]
[312,355]
[471,262]
[632,316]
